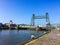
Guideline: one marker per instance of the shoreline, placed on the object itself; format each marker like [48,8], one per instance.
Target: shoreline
[24,43]
[52,38]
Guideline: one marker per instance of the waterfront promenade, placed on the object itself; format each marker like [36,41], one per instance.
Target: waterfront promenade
[52,38]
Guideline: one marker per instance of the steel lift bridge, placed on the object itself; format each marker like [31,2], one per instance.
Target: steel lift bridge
[48,25]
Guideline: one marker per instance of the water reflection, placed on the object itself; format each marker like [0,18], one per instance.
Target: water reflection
[13,37]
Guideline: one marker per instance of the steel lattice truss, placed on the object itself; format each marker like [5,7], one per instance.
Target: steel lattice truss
[41,17]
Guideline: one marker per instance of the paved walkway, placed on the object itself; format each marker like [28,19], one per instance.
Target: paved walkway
[53,38]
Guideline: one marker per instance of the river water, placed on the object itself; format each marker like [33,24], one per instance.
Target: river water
[13,37]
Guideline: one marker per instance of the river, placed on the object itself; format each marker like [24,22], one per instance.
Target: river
[13,37]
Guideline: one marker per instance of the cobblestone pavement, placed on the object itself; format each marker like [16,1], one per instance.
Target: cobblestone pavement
[53,38]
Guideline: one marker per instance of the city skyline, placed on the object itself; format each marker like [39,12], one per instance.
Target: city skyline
[20,11]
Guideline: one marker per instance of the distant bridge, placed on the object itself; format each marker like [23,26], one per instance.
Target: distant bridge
[48,25]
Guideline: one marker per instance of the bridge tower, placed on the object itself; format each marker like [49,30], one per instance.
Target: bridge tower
[48,25]
[32,20]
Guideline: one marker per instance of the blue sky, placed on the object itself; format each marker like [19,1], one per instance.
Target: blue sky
[20,11]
